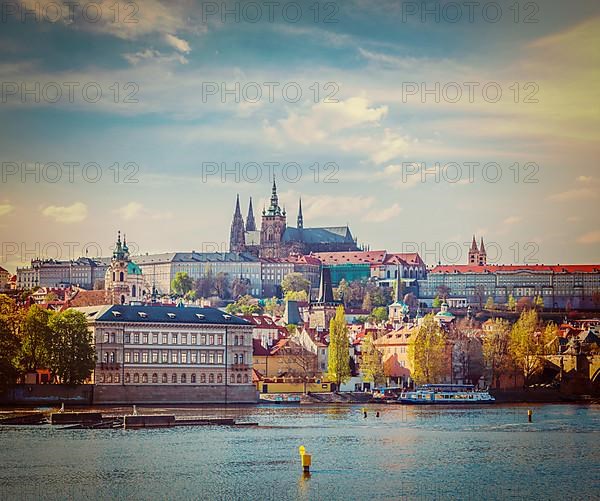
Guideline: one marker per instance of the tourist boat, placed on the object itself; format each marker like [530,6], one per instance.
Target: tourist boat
[433,394]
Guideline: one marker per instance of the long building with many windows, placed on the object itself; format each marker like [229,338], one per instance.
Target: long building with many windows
[159,354]
[560,286]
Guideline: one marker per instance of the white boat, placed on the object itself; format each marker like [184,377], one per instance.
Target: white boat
[453,394]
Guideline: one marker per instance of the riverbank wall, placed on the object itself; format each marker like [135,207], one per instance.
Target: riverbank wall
[47,394]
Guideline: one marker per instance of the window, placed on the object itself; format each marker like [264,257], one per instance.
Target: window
[193,378]
[184,357]
[164,356]
[112,357]
[127,337]
[116,378]
[174,357]
[202,357]
[241,358]
[203,378]
[164,377]
[184,339]
[194,339]
[194,357]
[219,378]
[174,338]
[144,357]
[235,359]
[232,379]
[211,339]
[220,357]
[136,338]
[203,339]
[105,337]
[127,377]
[235,341]
[136,357]
[154,338]
[211,358]
[136,378]
[144,378]
[144,338]
[155,357]
[164,339]
[101,378]
[183,378]
[112,337]
[245,378]
[220,339]
[173,378]
[155,378]
[121,277]
[239,378]
[211,378]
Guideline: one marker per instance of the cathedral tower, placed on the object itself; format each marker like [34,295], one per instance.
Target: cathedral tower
[250,223]
[237,241]
[300,222]
[272,227]
[474,253]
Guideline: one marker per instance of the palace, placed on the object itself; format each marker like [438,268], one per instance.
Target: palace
[275,239]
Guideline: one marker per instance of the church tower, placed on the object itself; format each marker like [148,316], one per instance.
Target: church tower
[300,222]
[250,223]
[473,253]
[123,280]
[482,254]
[272,227]
[237,242]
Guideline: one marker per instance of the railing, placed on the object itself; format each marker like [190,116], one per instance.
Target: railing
[107,366]
[239,367]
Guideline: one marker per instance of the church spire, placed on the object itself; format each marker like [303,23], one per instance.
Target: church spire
[250,222]
[237,241]
[481,247]
[274,209]
[474,245]
[300,223]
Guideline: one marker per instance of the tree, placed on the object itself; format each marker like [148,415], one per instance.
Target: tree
[296,296]
[367,304]
[72,355]
[497,350]
[10,343]
[191,295]
[371,362]
[539,303]
[37,338]
[295,282]
[526,345]
[182,283]
[205,285]
[427,352]
[343,293]
[479,294]
[411,301]
[273,308]
[51,296]
[436,303]
[221,285]
[338,366]
[511,304]
[524,303]
[443,292]
[239,287]
[380,314]
[489,304]
[245,305]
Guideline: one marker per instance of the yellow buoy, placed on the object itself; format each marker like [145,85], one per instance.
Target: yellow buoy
[306,461]
[529,415]
[302,450]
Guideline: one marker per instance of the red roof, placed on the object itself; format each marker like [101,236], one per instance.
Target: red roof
[404,258]
[351,257]
[258,349]
[500,268]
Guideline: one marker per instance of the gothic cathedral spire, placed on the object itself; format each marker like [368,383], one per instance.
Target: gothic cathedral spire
[300,222]
[237,240]
[250,222]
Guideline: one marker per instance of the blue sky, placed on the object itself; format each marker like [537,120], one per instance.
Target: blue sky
[377,57]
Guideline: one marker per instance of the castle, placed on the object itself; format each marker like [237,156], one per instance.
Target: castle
[275,239]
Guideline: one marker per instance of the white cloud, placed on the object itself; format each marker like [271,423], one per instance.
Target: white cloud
[153,56]
[6,209]
[577,194]
[177,43]
[592,237]
[69,214]
[135,210]
[381,215]
[512,220]
[585,179]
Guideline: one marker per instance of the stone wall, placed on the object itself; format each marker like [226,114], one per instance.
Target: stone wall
[48,394]
[175,394]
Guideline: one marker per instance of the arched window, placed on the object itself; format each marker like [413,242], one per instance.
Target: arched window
[193,378]
[109,378]
[174,378]
[133,290]
[165,377]
[239,378]
[211,378]
[183,378]
[232,378]
[144,378]
[245,378]
[112,357]
[241,360]
[106,358]
[219,378]
[235,358]
[203,378]
[127,377]
[155,378]
[116,378]
[100,378]
[122,299]
[136,378]
[121,276]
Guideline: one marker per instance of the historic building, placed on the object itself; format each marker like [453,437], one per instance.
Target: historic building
[85,272]
[477,255]
[275,239]
[161,354]
[124,282]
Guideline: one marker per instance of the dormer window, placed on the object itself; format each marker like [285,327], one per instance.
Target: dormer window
[226,317]
[200,316]
[142,314]
[116,313]
[171,315]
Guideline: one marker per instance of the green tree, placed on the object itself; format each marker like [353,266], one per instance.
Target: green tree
[497,350]
[182,283]
[245,305]
[343,292]
[526,343]
[296,296]
[239,287]
[221,285]
[72,355]
[10,343]
[367,304]
[371,362]
[273,308]
[191,295]
[489,304]
[427,352]
[295,282]
[37,338]
[380,314]
[436,303]
[338,366]
[511,304]
[539,303]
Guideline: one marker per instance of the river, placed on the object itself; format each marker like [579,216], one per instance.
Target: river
[488,452]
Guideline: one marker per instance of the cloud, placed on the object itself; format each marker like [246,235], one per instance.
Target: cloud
[6,209]
[585,179]
[135,210]
[314,207]
[382,215]
[575,194]
[69,214]
[592,237]
[153,56]
[177,43]
[512,220]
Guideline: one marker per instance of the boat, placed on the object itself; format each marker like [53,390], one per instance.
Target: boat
[439,394]
[280,398]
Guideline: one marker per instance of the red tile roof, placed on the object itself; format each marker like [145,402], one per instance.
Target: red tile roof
[88,298]
[351,257]
[258,349]
[504,268]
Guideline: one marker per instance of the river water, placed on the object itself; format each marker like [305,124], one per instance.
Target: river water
[488,452]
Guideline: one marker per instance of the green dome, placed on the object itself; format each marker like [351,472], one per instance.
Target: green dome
[133,269]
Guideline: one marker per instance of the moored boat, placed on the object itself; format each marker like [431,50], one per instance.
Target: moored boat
[453,394]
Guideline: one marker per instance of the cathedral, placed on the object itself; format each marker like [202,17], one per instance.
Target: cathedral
[275,239]
[477,256]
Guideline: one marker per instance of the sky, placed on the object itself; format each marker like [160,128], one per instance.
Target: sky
[418,124]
